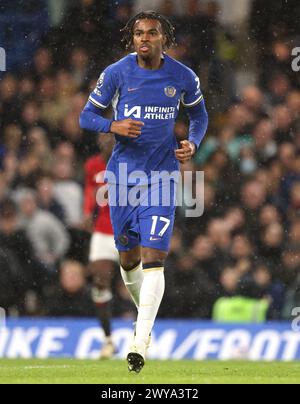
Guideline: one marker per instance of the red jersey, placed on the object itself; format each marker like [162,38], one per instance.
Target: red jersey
[93,181]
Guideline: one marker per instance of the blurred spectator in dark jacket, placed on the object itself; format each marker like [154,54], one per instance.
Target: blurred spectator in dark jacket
[13,238]
[85,24]
[47,234]
[66,189]
[10,276]
[290,269]
[265,146]
[203,251]
[72,299]
[9,105]
[43,64]
[45,196]
[121,15]
[253,100]
[253,196]
[271,244]
[192,292]
[283,123]
[17,258]
[79,66]
[200,28]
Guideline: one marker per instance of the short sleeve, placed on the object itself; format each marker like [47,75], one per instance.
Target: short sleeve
[192,94]
[105,90]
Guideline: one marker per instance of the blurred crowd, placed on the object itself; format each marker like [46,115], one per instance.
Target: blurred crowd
[247,243]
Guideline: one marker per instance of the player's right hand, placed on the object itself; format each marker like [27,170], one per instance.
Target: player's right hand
[127,127]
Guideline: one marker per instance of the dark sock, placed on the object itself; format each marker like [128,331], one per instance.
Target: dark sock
[103,313]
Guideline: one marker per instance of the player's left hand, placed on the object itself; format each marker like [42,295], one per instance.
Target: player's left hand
[186,152]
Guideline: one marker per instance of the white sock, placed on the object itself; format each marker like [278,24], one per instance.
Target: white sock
[151,295]
[133,281]
[101,296]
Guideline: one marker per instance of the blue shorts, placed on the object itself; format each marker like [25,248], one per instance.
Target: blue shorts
[144,218]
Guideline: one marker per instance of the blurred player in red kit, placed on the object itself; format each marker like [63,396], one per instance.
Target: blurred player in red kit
[103,254]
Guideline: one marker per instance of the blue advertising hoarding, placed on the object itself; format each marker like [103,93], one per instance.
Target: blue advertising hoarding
[82,339]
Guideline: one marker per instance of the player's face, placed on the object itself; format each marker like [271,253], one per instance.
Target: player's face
[148,38]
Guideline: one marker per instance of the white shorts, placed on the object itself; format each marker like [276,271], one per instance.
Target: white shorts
[103,248]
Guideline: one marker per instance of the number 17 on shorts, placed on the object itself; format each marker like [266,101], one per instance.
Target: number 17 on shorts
[156,232]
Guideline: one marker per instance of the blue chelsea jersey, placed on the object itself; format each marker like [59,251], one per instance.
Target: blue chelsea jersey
[150,96]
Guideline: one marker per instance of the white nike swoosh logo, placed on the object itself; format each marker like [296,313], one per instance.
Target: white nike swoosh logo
[154,239]
[132,89]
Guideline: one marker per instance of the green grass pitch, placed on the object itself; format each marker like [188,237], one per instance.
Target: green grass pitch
[67,371]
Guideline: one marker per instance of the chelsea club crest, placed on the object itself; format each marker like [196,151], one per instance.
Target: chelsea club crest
[170,91]
[123,239]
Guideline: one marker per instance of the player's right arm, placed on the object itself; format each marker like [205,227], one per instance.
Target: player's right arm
[92,118]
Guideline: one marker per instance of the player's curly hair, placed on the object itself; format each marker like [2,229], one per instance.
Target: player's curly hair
[167,26]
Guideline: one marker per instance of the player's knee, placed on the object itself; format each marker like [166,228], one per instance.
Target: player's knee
[154,263]
[129,265]
[150,256]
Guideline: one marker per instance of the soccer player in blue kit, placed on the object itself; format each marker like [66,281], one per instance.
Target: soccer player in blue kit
[145,89]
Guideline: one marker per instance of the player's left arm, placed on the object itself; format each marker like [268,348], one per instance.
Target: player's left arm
[91,118]
[194,103]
